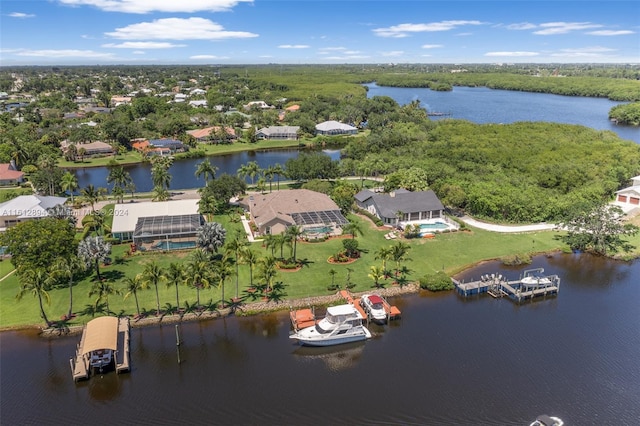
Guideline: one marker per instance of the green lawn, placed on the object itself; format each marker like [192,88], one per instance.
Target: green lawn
[453,252]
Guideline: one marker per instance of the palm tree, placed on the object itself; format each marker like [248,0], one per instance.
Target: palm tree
[210,237]
[399,253]
[268,270]
[279,240]
[278,171]
[92,195]
[35,281]
[384,254]
[235,246]
[132,286]
[93,250]
[222,269]
[206,170]
[197,273]
[352,228]
[377,273]
[160,193]
[333,273]
[103,289]
[269,173]
[69,183]
[249,257]
[160,175]
[293,232]
[67,268]
[251,169]
[175,276]
[206,204]
[120,179]
[153,275]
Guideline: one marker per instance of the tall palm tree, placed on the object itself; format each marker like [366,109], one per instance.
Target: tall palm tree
[206,170]
[279,240]
[35,281]
[399,253]
[250,258]
[278,171]
[293,232]
[376,274]
[175,276]
[69,183]
[132,286]
[235,246]
[197,275]
[251,169]
[269,173]
[67,268]
[153,274]
[160,193]
[384,254]
[221,270]
[103,289]
[160,175]
[120,179]
[92,195]
[268,270]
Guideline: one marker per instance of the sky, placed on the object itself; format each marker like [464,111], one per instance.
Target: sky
[101,32]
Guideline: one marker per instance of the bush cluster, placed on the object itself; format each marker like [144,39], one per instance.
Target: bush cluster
[436,282]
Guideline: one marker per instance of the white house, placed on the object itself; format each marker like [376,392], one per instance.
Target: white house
[26,207]
[335,128]
[629,197]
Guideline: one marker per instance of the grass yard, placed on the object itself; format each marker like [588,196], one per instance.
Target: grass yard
[453,252]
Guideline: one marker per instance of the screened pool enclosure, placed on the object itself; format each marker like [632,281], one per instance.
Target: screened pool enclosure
[167,232]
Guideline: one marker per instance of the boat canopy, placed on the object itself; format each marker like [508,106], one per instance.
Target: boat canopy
[101,333]
[375,299]
[341,310]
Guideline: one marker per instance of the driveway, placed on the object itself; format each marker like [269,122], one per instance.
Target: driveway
[507,228]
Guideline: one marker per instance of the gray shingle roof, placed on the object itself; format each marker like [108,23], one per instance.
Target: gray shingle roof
[402,200]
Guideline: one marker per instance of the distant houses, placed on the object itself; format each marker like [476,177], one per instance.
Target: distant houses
[332,128]
[629,197]
[214,134]
[90,149]
[26,207]
[278,133]
[10,175]
[159,147]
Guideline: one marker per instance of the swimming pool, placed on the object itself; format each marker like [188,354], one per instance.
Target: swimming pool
[318,230]
[435,225]
[174,245]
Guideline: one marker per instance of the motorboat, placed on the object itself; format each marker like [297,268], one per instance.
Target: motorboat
[374,306]
[341,324]
[101,358]
[544,420]
[535,281]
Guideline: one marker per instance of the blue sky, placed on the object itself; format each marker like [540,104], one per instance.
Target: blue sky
[44,32]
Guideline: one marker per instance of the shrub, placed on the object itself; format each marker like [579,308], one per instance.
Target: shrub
[516,259]
[436,282]
[350,247]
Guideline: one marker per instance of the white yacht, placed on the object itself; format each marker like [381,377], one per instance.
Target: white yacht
[544,420]
[342,324]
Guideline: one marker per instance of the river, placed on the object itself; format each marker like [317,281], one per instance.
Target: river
[476,104]
[449,360]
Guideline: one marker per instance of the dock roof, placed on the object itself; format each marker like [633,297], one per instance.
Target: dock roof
[101,333]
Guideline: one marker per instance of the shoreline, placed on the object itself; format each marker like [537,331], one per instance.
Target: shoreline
[249,309]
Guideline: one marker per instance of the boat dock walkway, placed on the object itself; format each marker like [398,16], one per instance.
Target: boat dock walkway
[80,367]
[518,290]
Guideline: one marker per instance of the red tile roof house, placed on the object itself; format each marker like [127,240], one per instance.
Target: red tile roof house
[90,149]
[273,213]
[212,134]
[9,175]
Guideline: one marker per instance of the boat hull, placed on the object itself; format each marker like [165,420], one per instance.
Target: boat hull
[331,341]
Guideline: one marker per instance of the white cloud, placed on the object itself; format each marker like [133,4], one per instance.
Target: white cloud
[610,32]
[393,53]
[553,28]
[512,54]
[594,51]
[146,6]
[207,57]
[139,52]
[64,53]
[177,29]
[293,46]
[330,49]
[21,15]
[403,30]
[431,46]
[521,26]
[143,45]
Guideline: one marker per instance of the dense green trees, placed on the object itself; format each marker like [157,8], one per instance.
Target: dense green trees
[626,114]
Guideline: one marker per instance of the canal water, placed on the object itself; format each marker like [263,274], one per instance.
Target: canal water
[449,360]
[476,104]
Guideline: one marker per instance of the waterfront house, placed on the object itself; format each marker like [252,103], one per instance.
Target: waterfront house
[26,207]
[333,128]
[401,205]
[10,175]
[91,149]
[214,134]
[629,197]
[165,225]
[273,213]
[278,133]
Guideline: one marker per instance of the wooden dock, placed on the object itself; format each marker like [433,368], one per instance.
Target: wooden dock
[392,311]
[302,318]
[80,364]
[498,286]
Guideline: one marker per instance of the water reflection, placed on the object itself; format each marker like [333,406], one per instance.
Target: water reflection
[335,358]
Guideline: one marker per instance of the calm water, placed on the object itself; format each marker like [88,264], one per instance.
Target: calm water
[483,105]
[448,361]
[480,105]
